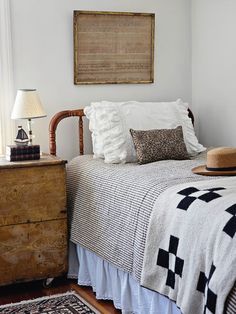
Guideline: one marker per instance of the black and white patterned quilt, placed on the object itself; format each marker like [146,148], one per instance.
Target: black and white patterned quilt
[190,252]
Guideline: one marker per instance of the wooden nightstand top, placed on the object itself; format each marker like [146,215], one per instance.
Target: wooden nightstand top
[45,160]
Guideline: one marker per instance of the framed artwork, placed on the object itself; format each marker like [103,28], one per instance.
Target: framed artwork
[113,47]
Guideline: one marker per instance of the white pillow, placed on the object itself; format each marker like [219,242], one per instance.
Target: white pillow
[110,124]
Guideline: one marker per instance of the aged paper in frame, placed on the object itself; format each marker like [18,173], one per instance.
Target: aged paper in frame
[113,47]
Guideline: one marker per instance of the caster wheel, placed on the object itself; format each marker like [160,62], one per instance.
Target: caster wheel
[47,283]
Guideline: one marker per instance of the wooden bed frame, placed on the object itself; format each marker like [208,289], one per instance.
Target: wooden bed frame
[53,127]
[74,113]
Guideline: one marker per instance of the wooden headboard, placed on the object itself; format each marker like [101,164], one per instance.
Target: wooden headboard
[53,127]
[74,113]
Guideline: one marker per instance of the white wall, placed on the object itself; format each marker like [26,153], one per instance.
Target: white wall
[43,58]
[214,70]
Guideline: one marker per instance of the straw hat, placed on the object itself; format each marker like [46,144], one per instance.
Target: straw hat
[220,162]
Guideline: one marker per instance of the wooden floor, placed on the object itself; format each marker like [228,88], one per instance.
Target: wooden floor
[32,290]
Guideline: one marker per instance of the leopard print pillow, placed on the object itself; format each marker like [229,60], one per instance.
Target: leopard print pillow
[154,145]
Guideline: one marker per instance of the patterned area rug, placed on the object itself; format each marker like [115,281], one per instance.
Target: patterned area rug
[66,303]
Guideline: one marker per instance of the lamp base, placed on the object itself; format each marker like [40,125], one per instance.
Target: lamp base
[30,132]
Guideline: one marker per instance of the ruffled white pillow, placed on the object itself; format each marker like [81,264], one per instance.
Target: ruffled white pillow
[110,124]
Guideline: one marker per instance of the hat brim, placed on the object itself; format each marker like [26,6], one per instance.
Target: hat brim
[203,171]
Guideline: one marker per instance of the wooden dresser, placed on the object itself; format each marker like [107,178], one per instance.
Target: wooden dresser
[33,219]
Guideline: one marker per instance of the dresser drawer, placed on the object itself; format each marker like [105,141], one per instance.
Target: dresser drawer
[32,194]
[32,251]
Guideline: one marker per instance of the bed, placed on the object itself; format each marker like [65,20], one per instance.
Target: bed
[109,208]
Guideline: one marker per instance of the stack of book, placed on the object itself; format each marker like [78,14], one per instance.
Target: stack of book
[22,152]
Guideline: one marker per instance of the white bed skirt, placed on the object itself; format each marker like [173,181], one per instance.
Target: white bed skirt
[110,283]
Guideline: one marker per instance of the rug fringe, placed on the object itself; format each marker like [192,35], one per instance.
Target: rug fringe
[70,292]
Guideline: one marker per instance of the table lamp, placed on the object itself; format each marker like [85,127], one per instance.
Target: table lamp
[27,106]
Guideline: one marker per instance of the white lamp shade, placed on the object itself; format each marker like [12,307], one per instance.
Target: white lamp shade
[27,105]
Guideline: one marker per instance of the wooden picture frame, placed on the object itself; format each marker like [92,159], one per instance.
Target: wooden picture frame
[113,47]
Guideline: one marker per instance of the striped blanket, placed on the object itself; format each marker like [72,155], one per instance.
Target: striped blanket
[110,205]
